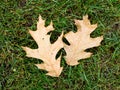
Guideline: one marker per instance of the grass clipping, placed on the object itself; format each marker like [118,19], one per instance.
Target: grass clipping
[79,42]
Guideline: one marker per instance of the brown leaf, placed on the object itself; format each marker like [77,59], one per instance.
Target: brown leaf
[80,41]
[46,51]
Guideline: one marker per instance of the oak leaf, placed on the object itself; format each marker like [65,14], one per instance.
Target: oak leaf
[46,51]
[80,41]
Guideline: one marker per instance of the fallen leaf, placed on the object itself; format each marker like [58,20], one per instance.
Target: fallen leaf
[46,51]
[80,41]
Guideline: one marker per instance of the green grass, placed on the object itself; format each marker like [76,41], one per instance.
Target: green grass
[99,72]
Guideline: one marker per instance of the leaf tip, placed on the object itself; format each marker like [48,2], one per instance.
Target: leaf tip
[24,48]
[40,17]
[72,63]
[85,16]
[101,38]
[55,74]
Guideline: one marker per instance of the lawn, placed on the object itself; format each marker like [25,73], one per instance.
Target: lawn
[99,72]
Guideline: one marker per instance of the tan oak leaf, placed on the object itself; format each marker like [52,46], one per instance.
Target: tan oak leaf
[46,51]
[80,41]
